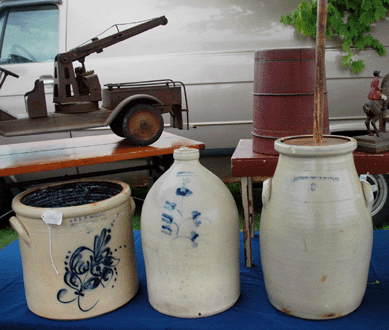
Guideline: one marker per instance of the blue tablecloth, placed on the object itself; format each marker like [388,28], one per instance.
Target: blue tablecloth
[252,310]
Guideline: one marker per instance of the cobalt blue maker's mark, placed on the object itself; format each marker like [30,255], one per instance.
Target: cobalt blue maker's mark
[88,272]
[175,213]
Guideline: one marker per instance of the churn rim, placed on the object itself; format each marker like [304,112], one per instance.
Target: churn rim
[349,145]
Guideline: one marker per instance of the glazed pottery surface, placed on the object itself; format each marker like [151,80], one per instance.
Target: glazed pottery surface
[190,240]
[316,229]
[80,261]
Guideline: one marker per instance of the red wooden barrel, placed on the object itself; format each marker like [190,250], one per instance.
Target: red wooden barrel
[284,85]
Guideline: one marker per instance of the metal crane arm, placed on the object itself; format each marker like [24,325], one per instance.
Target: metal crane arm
[97,46]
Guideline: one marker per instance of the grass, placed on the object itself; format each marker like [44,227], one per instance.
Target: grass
[138,194]
[8,235]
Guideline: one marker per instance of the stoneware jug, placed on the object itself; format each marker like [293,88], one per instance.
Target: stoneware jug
[77,248]
[316,229]
[190,240]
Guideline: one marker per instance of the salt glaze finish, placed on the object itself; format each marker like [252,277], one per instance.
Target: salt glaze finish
[85,266]
[316,230]
[190,240]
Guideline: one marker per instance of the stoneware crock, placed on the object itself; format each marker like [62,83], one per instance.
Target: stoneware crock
[316,229]
[190,239]
[77,248]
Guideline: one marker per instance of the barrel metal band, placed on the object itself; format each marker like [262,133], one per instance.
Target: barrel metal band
[263,136]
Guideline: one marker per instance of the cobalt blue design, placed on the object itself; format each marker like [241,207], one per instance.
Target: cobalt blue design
[167,230]
[195,217]
[167,218]
[88,270]
[194,235]
[170,206]
[183,192]
[176,222]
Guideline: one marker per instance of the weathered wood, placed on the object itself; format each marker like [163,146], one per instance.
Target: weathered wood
[245,189]
[57,154]
[54,122]
[373,144]
[320,72]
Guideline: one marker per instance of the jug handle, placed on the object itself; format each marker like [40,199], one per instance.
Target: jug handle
[21,230]
[368,194]
[266,192]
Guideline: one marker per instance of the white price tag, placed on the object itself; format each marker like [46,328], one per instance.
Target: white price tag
[52,217]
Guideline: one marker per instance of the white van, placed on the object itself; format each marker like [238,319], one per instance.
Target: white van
[208,45]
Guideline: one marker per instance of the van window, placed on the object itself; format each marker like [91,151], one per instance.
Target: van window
[29,34]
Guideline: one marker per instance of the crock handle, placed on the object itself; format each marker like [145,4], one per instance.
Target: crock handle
[21,230]
[368,193]
[132,207]
[266,192]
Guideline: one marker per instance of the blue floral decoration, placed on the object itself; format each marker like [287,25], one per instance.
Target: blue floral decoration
[183,192]
[175,215]
[88,269]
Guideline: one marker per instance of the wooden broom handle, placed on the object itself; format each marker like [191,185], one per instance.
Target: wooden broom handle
[320,72]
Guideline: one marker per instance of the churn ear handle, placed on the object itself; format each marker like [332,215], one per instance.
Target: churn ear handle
[21,230]
[266,192]
[368,193]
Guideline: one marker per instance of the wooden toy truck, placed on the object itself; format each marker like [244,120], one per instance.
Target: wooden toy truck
[132,110]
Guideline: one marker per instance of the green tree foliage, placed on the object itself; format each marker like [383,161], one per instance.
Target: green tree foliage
[348,20]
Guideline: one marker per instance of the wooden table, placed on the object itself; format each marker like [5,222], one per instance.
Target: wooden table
[40,156]
[246,164]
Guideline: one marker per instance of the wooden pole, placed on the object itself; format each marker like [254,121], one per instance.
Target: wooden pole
[320,72]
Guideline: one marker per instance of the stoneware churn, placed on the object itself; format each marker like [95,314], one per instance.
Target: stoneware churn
[316,230]
[77,248]
[190,240]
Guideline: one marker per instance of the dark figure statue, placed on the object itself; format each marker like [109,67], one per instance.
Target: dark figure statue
[377,103]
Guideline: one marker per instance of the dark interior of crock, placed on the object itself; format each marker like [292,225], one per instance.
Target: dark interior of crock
[72,194]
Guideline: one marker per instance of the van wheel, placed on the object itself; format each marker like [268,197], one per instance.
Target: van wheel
[380,186]
[143,124]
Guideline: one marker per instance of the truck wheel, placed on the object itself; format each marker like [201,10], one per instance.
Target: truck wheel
[117,127]
[143,124]
[380,186]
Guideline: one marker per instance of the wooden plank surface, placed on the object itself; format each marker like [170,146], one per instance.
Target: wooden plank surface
[55,122]
[246,163]
[64,153]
